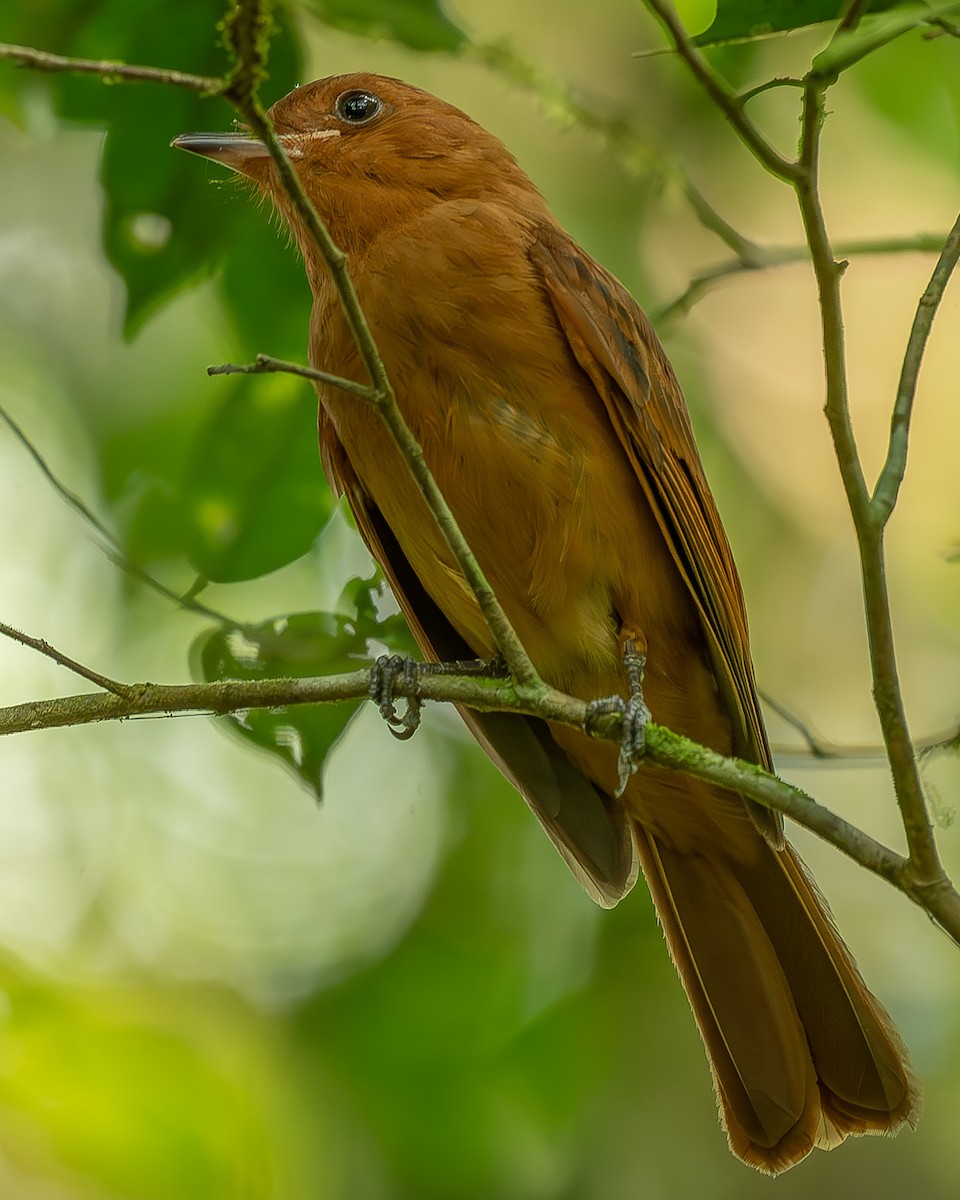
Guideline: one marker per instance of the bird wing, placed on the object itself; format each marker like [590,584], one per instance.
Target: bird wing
[616,347]
[591,831]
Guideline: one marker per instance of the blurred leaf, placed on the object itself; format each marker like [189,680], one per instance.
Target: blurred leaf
[144,463]
[149,512]
[47,25]
[876,30]
[264,288]
[298,646]
[914,85]
[151,1092]
[361,600]
[160,228]
[748,18]
[254,496]
[420,24]
[515,1074]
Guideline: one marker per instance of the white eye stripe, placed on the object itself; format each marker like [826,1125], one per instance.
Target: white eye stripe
[292,141]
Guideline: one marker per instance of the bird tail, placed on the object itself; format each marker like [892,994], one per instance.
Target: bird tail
[802,1054]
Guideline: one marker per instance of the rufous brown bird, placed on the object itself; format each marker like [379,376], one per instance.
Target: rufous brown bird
[556,429]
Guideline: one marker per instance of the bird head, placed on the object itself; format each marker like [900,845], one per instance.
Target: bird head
[371,152]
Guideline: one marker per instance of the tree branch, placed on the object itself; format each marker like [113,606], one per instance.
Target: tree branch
[495,694]
[891,476]
[729,103]
[51,652]
[482,694]
[266,364]
[888,697]
[108,541]
[770,257]
[110,71]
[923,866]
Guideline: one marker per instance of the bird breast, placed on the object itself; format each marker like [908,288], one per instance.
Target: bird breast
[511,428]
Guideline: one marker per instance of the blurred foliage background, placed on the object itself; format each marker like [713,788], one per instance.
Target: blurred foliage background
[214,987]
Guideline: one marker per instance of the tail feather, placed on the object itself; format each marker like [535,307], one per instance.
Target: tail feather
[857,1050]
[802,1054]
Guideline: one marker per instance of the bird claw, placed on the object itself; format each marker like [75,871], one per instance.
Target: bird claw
[390,667]
[633,742]
[633,713]
[383,677]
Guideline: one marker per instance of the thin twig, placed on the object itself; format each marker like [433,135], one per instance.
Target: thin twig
[629,146]
[848,47]
[64,660]
[108,542]
[891,476]
[888,697]
[816,745]
[729,103]
[748,253]
[828,273]
[108,70]
[768,85]
[770,257]
[636,152]
[247,29]
[822,751]
[265,364]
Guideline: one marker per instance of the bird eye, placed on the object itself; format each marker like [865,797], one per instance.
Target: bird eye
[358,107]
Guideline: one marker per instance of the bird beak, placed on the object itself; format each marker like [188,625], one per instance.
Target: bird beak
[234,150]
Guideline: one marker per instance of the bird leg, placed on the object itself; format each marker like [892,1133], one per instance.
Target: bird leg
[390,667]
[633,711]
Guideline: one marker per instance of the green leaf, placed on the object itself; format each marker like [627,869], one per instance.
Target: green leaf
[875,31]
[300,645]
[927,116]
[162,228]
[420,24]
[254,497]
[265,290]
[750,18]
[49,25]
[362,599]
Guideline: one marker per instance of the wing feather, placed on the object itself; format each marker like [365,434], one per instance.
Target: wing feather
[616,347]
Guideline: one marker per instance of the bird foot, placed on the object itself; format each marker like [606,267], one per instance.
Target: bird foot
[383,679]
[390,668]
[633,713]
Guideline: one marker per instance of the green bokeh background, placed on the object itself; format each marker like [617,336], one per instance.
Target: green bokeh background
[212,986]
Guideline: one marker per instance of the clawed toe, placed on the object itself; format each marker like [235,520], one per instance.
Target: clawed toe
[390,668]
[383,678]
[633,713]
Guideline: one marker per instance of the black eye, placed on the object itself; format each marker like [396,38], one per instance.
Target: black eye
[358,107]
